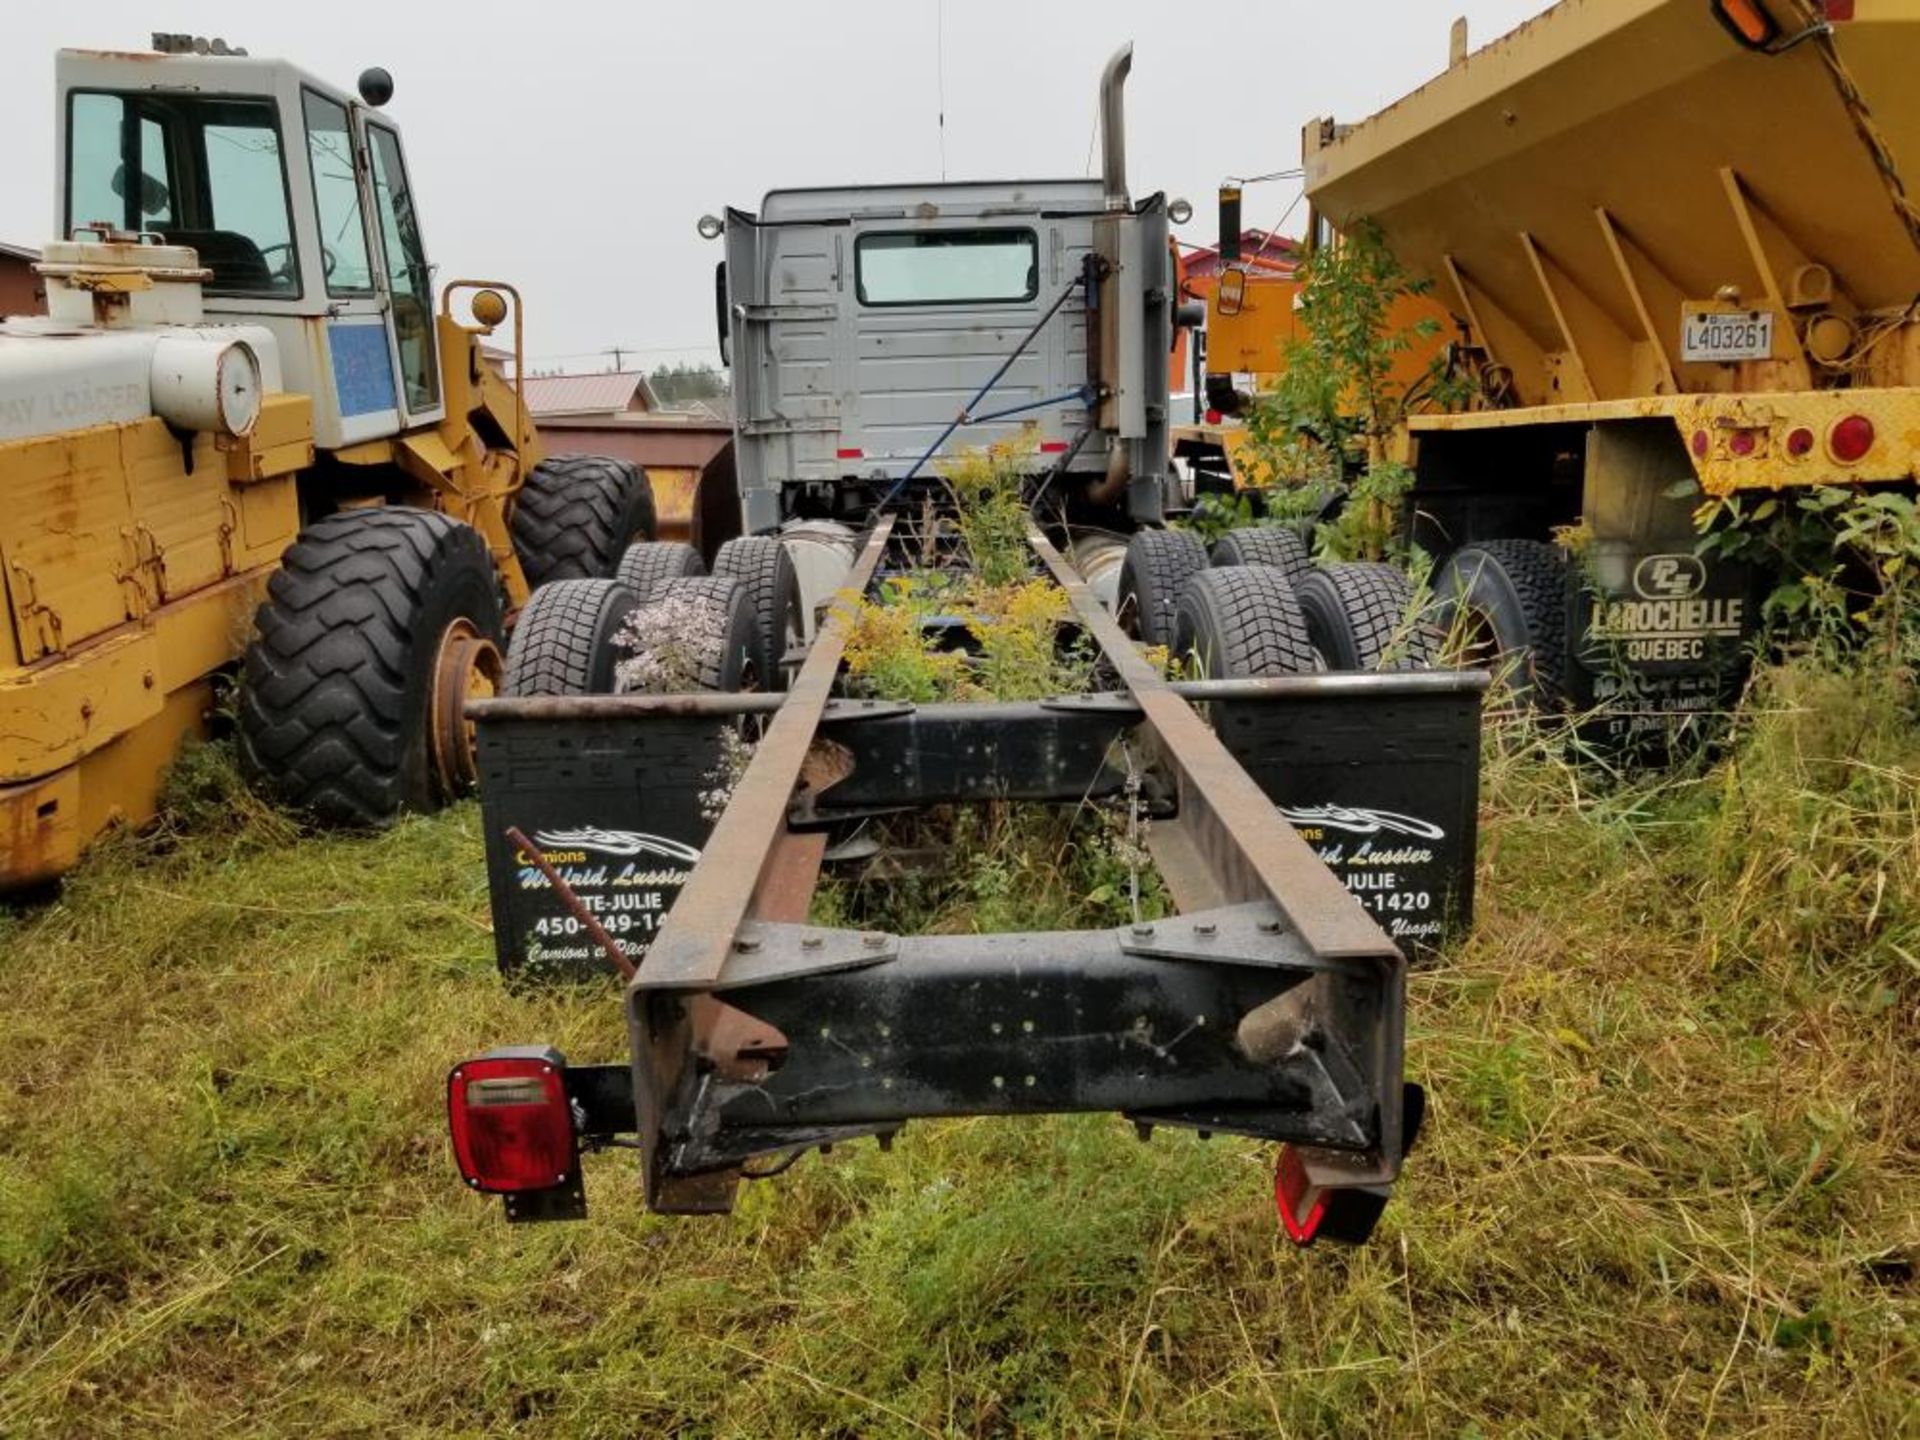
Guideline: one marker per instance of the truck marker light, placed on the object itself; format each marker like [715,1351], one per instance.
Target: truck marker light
[1053,447]
[1800,442]
[1302,1205]
[1701,443]
[512,1124]
[1850,439]
[1742,443]
[850,453]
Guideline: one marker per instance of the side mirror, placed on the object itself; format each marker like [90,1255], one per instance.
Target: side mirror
[1231,291]
[1748,22]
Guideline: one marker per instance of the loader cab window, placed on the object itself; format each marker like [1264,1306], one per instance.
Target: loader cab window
[336,197]
[408,279]
[200,171]
[947,267]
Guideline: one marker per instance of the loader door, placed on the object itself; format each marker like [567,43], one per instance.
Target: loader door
[405,280]
[360,355]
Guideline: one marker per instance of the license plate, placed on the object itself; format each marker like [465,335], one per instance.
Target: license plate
[1727,335]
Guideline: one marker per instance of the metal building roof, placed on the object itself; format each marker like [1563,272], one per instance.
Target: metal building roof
[608,393]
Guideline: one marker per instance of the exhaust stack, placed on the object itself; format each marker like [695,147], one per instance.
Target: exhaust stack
[1113,126]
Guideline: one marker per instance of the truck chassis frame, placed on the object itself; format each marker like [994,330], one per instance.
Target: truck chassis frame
[1271,1006]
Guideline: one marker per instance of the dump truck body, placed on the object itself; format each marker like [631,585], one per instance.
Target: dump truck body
[1674,256]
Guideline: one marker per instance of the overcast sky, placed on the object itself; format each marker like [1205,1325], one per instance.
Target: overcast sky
[571,147]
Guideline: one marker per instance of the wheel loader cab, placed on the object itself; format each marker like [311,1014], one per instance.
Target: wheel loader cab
[296,199]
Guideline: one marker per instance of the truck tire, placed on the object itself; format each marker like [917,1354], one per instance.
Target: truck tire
[375,628]
[576,515]
[765,571]
[563,642]
[1158,564]
[730,633]
[1357,616]
[1242,623]
[1265,545]
[651,563]
[1513,595]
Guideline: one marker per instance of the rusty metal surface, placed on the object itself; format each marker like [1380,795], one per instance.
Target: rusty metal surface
[623,707]
[608,945]
[1233,830]
[691,948]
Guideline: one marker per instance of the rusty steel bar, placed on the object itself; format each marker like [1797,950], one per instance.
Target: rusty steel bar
[572,901]
[696,705]
[1247,851]
[1384,685]
[692,946]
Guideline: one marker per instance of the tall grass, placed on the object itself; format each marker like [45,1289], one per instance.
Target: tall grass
[1669,1185]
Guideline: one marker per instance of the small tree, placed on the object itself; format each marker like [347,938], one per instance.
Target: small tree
[1328,420]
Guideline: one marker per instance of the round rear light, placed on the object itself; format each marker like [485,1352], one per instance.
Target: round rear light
[1850,439]
[1800,442]
[1214,417]
[1742,442]
[1700,443]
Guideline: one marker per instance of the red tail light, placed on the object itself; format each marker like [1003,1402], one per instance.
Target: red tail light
[846,452]
[1053,447]
[1800,442]
[1302,1204]
[512,1122]
[1850,439]
[1214,417]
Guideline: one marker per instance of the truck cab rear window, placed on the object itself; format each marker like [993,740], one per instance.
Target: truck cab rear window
[947,267]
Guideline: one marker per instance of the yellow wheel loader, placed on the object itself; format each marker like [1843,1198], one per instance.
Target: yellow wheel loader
[245,441]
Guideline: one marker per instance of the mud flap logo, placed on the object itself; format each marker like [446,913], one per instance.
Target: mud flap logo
[1361,822]
[622,843]
[1669,577]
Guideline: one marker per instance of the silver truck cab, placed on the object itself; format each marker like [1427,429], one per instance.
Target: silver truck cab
[874,330]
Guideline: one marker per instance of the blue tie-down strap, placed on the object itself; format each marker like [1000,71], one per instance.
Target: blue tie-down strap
[1083,395]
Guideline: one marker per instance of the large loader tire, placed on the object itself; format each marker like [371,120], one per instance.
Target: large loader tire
[576,515]
[563,641]
[765,571]
[377,627]
[1508,598]
[651,563]
[1158,564]
[1358,617]
[1242,623]
[1264,545]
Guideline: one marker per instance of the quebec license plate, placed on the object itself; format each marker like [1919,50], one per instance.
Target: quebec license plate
[1714,335]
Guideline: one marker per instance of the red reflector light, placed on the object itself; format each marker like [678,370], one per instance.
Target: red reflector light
[512,1123]
[1700,444]
[853,454]
[1800,442]
[1302,1204]
[1742,442]
[1214,417]
[1850,439]
[1753,25]
[1053,447]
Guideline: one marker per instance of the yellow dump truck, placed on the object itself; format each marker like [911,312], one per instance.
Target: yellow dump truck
[245,429]
[1679,236]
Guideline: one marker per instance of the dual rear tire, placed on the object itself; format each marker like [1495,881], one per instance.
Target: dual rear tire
[1264,609]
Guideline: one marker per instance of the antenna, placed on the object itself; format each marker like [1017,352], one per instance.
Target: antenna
[940,64]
